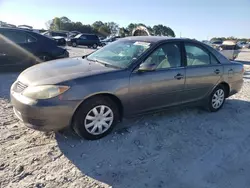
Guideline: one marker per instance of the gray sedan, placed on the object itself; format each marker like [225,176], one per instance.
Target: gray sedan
[131,76]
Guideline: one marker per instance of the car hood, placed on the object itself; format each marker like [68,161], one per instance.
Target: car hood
[57,71]
[58,37]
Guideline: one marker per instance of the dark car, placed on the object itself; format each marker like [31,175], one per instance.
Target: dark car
[108,40]
[131,76]
[55,34]
[22,48]
[216,43]
[59,37]
[61,41]
[89,40]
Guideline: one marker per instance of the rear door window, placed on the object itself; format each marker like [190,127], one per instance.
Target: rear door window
[30,38]
[83,37]
[92,37]
[196,55]
[16,36]
[19,37]
[214,61]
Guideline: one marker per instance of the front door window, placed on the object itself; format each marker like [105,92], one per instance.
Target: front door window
[166,56]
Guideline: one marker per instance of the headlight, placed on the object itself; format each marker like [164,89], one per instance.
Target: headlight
[44,92]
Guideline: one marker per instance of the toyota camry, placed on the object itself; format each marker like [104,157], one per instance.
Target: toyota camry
[133,75]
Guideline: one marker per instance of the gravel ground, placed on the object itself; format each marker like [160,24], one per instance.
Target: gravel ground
[181,147]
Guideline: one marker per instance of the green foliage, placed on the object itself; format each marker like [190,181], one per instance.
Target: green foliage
[160,30]
[123,32]
[105,28]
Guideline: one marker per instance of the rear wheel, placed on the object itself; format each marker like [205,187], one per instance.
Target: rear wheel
[217,99]
[74,44]
[95,118]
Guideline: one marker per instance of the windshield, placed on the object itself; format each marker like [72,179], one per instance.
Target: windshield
[77,36]
[120,53]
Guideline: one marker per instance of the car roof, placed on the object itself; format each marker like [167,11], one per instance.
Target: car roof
[87,34]
[229,42]
[155,39]
[16,29]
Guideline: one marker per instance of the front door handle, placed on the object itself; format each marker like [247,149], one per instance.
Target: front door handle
[179,76]
[217,71]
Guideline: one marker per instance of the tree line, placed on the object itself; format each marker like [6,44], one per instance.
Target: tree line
[230,38]
[105,28]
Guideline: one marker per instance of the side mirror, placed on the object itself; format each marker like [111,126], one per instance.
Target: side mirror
[144,67]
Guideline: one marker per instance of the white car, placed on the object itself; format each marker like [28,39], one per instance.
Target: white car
[230,49]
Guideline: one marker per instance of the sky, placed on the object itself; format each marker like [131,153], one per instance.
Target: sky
[200,19]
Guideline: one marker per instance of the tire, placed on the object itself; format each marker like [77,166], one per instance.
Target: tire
[92,128]
[94,46]
[214,106]
[74,44]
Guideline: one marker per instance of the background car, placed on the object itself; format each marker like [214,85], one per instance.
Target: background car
[131,76]
[246,45]
[59,37]
[242,44]
[22,48]
[230,49]
[216,43]
[108,40]
[89,40]
[61,41]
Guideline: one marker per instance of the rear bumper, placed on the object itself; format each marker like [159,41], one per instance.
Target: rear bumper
[69,43]
[43,115]
[235,87]
[64,55]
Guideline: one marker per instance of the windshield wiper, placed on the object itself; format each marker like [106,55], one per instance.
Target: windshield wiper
[103,63]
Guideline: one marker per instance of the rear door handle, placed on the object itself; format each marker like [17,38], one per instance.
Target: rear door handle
[217,71]
[179,76]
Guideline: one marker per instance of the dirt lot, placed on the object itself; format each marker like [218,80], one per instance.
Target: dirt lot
[178,148]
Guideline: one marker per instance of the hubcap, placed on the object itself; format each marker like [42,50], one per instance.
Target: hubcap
[98,120]
[218,98]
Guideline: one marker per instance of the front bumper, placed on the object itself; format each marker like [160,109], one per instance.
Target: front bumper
[44,115]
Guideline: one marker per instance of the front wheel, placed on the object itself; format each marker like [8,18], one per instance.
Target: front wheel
[216,99]
[96,118]
[94,46]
